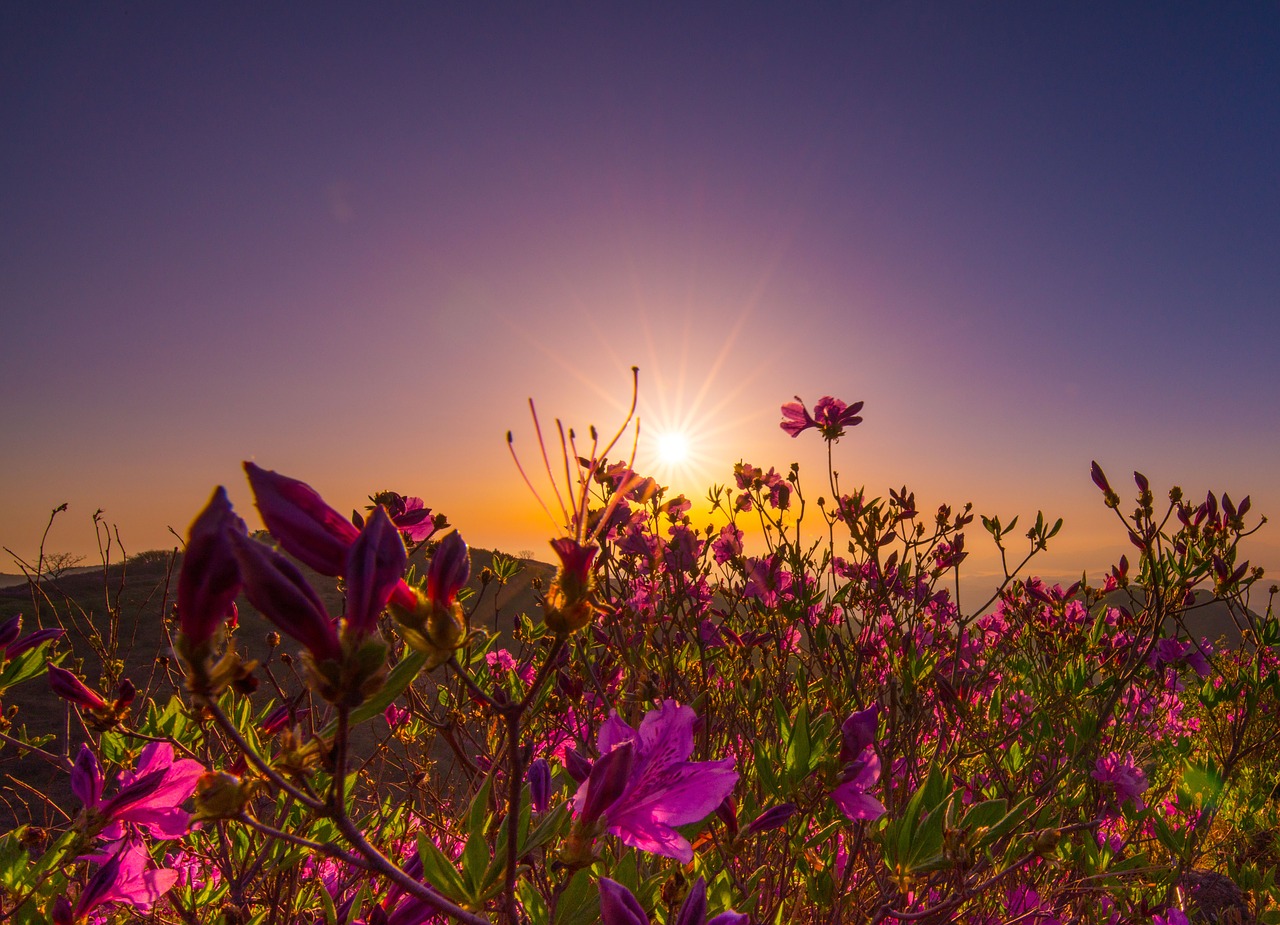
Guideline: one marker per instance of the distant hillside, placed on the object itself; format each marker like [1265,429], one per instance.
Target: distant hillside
[123,611]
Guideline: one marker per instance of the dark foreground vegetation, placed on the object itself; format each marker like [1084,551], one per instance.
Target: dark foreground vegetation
[360,720]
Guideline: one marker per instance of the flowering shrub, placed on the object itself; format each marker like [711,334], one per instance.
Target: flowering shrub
[782,717]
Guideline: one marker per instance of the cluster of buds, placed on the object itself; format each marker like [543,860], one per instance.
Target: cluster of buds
[345,659]
[435,623]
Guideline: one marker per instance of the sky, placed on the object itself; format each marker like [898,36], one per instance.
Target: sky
[349,242]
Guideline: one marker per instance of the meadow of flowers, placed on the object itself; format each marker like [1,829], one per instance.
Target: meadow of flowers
[789,723]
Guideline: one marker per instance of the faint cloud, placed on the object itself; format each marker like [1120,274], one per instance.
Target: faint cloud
[337,196]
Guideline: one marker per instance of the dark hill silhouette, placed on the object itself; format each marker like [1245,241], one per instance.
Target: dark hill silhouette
[119,623]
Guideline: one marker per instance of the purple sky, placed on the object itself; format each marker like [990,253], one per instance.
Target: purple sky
[348,244]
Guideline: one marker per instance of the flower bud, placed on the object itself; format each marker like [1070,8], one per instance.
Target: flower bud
[9,630]
[220,795]
[571,601]
[539,776]
[375,564]
[298,517]
[772,818]
[210,576]
[449,570]
[71,689]
[31,641]
[578,768]
[276,587]
[618,906]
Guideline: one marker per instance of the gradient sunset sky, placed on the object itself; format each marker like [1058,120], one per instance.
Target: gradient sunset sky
[348,242]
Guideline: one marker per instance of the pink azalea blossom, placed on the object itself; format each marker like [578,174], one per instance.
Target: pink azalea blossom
[658,787]
[1124,778]
[148,797]
[830,416]
[862,767]
[126,876]
[411,517]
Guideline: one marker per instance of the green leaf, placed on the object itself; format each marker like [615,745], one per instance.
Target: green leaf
[397,681]
[579,904]
[531,900]
[439,871]
[326,905]
[552,824]
[26,666]
[798,746]
[984,815]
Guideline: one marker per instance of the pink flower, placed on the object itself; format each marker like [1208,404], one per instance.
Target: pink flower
[767,581]
[657,787]
[500,661]
[862,766]
[1025,905]
[411,517]
[126,876]
[148,797]
[1122,776]
[728,545]
[830,416]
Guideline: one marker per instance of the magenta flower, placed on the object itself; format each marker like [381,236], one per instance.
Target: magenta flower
[148,797]
[660,788]
[1125,779]
[411,517]
[126,876]
[1174,651]
[210,577]
[728,545]
[276,587]
[767,581]
[862,766]
[830,416]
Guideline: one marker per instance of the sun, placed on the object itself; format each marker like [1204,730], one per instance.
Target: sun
[673,449]
[675,456]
